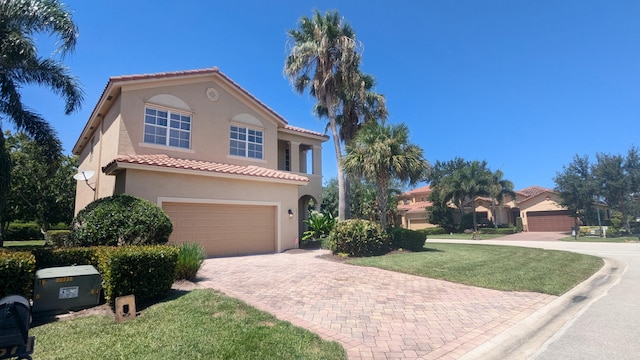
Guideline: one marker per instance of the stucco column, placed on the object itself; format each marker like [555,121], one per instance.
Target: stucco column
[294,156]
[317,160]
[303,160]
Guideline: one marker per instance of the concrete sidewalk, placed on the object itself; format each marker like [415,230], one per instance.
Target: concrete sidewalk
[373,313]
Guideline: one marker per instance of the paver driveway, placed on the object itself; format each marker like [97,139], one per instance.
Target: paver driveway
[373,313]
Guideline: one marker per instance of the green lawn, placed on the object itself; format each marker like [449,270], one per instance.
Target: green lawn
[464,236]
[495,267]
[621,239]
[23,244]
[202,324]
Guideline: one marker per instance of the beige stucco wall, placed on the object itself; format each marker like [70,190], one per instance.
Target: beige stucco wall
[93,158]
[210,123]
[156,186]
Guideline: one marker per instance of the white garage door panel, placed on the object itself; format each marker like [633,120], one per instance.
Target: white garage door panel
[224,229]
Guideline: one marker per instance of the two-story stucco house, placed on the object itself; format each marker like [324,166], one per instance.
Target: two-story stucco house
[229,171]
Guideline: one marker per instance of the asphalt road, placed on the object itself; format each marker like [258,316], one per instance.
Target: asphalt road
[608,324]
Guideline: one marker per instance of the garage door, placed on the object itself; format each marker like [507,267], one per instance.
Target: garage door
[224,230]
[550,221]
[416,224]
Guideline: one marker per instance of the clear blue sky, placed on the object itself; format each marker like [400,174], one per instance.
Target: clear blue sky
[525,85]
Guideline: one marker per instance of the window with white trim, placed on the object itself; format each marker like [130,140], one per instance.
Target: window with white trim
[245,142]
[167,127]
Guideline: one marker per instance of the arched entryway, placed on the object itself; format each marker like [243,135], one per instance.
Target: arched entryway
[306,203]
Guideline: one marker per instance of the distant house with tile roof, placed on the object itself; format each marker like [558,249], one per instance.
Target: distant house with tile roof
[230,172]
[538,207]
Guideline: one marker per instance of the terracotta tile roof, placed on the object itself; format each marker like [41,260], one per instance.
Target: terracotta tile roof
[532,191]
[304,131]
[418,206]
[423,189]
[163,160]
[162,75]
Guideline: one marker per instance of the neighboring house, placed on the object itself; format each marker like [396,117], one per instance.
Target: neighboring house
[412,208]
[540,210]
[229,171]
[538,207]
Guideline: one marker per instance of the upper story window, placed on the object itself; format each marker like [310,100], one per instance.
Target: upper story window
[167,127]
[245,142]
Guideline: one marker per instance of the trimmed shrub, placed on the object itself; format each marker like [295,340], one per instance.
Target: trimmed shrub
[359,238]
[23,231]
[47,257]
[144,271]
[58,238]
[121,220]
[17,271]
[432,231]
[190,259]
[503,231]
[407,239]
[519,225]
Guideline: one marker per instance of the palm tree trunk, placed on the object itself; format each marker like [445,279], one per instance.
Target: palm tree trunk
[342,190]
[347,196]
[382,189]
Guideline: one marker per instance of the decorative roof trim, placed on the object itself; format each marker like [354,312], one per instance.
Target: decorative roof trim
[164,163]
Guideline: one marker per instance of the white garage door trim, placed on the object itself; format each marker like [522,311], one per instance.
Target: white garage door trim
[278,206]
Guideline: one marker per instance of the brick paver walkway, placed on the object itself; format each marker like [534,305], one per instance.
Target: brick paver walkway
[373,313]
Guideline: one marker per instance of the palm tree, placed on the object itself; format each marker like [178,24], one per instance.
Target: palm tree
[21,65]
[475,180]
[358,105]
[380,153]
[323,48]
[498,189]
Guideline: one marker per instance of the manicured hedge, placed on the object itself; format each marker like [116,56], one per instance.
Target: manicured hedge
[432,231]
[48,257]
[359,238]
[503,231]
[144,271]
[23,231]
[407,239]
[17,270]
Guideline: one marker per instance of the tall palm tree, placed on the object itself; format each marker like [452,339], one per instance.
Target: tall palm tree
[21,65]
[380,153]
[358,105]
[498,189]
[323,47]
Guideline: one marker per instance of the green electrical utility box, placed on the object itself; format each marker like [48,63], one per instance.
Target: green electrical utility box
[66,287]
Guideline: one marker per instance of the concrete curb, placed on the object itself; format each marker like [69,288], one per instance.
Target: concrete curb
[531,335]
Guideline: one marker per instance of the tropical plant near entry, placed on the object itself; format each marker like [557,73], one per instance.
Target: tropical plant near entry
[380,153]
[319,225]
[323,48]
